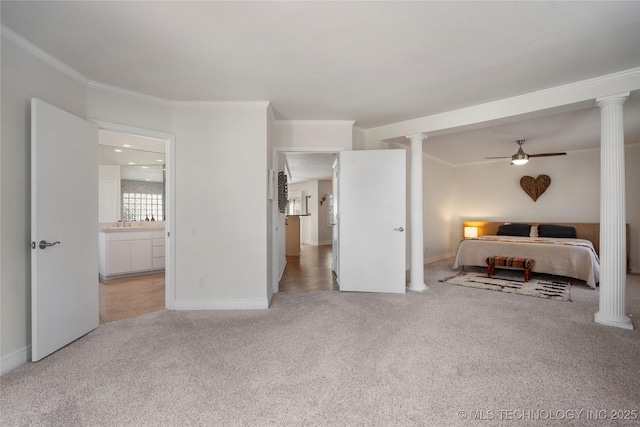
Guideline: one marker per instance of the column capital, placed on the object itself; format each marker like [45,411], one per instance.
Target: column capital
[417,137]
[618,98]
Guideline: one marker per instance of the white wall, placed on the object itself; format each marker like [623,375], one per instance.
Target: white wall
[325,231]
[271,210]
[632,183]
[491,191]
[112,107]
[360,139]
[314,228]
[438,187]
[23,76]
[306,134]
[221,206]
[438,204]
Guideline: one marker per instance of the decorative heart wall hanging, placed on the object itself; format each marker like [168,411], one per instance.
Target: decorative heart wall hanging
[535,187]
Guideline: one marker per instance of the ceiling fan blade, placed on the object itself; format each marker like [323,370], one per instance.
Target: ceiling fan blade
[508,157]
[547,154]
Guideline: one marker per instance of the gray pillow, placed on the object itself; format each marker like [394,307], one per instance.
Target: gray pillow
[514,230]
[550,230]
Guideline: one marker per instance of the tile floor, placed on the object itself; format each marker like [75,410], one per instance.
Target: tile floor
[130,297]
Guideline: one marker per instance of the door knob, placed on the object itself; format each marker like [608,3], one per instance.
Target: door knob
[44,244]
[400,229]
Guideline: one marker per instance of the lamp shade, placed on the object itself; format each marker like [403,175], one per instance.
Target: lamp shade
[470,232]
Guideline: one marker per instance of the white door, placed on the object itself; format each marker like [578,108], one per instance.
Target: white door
[64,209]
[371,218]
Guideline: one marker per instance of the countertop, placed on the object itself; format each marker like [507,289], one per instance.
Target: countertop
[131,226]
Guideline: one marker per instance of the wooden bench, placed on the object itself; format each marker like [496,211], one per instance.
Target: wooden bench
[525,264]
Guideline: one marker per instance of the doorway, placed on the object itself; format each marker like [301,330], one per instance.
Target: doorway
[305,229]
[135,220]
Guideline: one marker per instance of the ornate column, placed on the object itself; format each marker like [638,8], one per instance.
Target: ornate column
[613,268]
[416,281]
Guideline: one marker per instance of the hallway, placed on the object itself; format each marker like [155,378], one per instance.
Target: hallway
[311,271]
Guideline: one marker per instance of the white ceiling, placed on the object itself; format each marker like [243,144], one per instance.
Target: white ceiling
[303,167]
[372,62]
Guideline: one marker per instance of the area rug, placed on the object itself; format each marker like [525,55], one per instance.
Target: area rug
[536,288]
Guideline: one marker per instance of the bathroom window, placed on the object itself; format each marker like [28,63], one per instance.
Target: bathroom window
[140,206]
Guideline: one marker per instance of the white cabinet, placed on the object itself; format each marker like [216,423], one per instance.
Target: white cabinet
[119,256]
[130,252]
[158,249]
[141,255]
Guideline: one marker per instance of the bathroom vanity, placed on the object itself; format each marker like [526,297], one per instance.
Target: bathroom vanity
[131,250]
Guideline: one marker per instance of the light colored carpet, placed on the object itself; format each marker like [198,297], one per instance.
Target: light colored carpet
[513,282]
[341,359]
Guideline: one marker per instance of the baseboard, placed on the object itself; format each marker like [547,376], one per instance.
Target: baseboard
[282,267]
[222,304]
[318,243]
[431,260]
[127,275]
[15,359]
[634,269]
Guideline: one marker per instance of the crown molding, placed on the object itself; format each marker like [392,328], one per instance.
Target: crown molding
[128,93]
[42,55]
[198,104]
[313,122]
[178,104]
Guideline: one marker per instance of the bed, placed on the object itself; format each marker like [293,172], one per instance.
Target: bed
[569,250]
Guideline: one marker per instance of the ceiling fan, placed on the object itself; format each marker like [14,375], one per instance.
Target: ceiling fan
[520,158]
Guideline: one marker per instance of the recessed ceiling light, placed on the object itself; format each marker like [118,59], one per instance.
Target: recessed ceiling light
[131,163]
[145,167]
[159,160]
[117,150]
[147,179]
[126,145]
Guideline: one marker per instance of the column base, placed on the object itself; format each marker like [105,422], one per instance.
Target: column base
[623,322]
[417,287]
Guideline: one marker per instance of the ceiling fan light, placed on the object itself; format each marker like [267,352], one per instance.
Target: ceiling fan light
[519,158]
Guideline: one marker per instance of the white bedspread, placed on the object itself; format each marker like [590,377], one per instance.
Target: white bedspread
[563,257]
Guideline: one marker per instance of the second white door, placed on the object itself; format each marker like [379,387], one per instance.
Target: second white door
[371,219]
